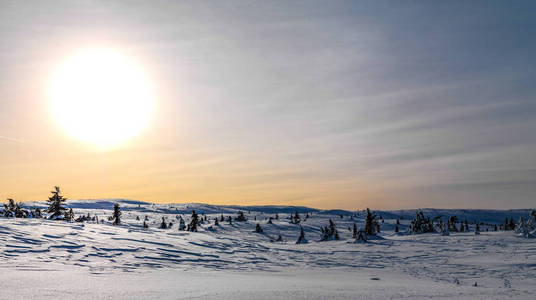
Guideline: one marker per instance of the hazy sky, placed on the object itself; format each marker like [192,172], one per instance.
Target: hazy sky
[347,104]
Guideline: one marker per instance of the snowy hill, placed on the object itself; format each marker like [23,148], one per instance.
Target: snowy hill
[232,261]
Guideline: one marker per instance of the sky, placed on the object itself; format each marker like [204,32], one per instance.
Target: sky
[328,104]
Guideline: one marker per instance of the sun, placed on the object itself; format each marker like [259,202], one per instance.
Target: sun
[101,97]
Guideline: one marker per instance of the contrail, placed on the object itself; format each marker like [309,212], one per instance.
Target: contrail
[9,139]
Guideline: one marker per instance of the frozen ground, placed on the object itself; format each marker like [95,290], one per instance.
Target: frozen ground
[47,259]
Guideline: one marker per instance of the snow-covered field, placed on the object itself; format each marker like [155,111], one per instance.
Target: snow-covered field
[49,259]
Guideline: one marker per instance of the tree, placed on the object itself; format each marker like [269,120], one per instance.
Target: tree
[55,202]
[451,223]
[511,224]
[329,232]
[69,215]
[192,226]
[301,238]
[371,224]
[421,224]
[269,220]
[117,215]
[182,226]
[145,225]
[296,218]
[163,225]
[216,222]
[9,208]
[258,228]
[241,217]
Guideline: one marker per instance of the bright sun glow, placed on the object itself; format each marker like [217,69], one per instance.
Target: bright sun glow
[101,97]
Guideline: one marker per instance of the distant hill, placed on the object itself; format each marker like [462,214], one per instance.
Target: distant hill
[483,215]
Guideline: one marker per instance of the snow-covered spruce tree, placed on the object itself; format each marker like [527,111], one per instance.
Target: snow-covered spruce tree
[216,223]
[329,232]
[269,220]
[371,224]
[145,225]
[444,229]
[354,232]
[279,238]
[301,238]
[192,226]
[69,215]
[116,215]
[421,224]
[511,224]
[477,229]
[163,225]
[451,224]
[182,226]
[9,208]
[258,228]
[361,236]
[55,202]
[296,218]
[240,217]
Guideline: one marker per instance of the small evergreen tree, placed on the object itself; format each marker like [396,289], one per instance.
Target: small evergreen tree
[258,228]
[421,224]
[145,225]
[9,208]
[216,223]
[116,217]
[163,225]
[371,224]
[182,226]
[192,226]
[451,223]
[240,217]
[301,238]
[269,220]
[511,224]
[329,232]
[69,215]
[55,204]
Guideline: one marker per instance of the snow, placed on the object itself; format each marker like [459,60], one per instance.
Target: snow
[46,259]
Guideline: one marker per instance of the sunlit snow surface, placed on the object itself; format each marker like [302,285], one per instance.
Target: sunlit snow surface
[47,259]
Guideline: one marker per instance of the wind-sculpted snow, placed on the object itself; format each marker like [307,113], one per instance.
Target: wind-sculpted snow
[501,261]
